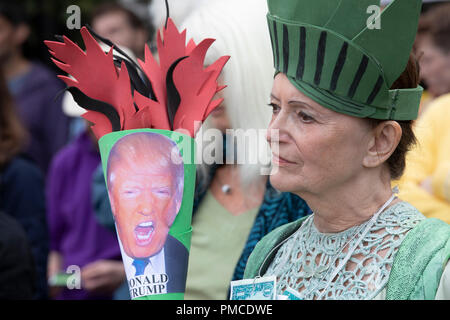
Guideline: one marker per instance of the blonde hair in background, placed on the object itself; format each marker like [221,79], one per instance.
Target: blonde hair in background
[240,30]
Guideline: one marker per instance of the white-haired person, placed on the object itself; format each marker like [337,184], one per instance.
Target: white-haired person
[178,9]
[235,205]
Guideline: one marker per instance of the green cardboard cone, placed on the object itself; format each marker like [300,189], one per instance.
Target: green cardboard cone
[150,176]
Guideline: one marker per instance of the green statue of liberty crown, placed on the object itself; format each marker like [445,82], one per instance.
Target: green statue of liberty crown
[330,53]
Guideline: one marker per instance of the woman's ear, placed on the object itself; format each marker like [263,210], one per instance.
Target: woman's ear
[385,139]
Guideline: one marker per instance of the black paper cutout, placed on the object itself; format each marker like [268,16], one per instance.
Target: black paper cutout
[96,105]
[173,96]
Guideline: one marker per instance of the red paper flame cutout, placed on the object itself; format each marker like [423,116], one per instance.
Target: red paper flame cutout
[98,78]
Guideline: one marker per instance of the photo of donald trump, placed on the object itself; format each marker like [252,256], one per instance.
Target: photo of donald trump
[145,176]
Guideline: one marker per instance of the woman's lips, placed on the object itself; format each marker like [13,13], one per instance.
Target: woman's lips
[144,233]
[280,161]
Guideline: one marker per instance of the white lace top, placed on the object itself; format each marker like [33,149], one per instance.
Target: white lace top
[306,261]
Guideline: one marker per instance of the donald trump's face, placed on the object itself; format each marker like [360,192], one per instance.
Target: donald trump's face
[144,192]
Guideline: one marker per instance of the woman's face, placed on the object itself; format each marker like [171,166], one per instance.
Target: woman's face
[316,149]
[434,67]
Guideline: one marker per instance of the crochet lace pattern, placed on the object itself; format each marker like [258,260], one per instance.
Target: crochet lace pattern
[306,261]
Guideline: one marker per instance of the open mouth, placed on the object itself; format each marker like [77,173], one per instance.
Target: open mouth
[144,233]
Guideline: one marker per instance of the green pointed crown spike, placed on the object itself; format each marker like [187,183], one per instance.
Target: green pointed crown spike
[331,53]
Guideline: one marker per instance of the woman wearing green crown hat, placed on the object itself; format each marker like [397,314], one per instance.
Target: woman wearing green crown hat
[344,96]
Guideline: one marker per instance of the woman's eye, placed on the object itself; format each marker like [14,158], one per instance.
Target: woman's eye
[275,108]
[305,118]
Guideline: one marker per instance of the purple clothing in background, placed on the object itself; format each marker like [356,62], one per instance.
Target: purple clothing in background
[34,95]
[74,230]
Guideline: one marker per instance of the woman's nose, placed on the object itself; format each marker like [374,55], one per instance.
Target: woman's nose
[273,135]
[277,131]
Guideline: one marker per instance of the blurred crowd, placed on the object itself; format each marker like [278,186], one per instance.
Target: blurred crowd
[54,207]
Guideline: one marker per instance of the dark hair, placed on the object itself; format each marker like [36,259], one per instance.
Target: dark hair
[14,12]
[112,7]
[436,23]
[12,134]
[397,161]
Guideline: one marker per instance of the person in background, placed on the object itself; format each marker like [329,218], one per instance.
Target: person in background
[426,182]
[33,87]
[433,48]
[76,238]
[234,205]
[16,261]
[122,26]
[22,198]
